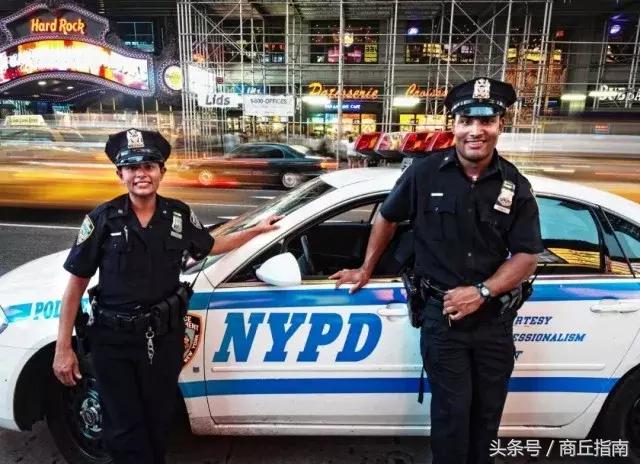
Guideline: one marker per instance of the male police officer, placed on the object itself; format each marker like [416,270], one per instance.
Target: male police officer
[477,233]
[137,241]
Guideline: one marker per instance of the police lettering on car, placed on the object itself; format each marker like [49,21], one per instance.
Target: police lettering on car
[477,233]
[137,327]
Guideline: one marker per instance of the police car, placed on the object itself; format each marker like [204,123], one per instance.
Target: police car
[271,347]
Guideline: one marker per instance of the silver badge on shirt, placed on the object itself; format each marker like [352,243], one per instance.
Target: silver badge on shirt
[176,225]
[505,198]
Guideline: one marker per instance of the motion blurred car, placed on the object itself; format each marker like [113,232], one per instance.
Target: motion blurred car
[264,164]
[271,347]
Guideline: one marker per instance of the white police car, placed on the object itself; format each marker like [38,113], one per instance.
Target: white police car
[300,357]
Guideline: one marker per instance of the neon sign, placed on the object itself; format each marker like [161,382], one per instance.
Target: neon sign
[73,56]
[414,91]
[58,25]
[371,93]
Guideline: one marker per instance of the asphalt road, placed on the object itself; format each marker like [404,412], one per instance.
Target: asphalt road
[26,234]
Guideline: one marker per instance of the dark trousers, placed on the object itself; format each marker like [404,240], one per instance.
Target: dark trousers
[468,372]
[137,398]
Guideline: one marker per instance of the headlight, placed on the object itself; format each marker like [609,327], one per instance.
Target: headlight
[4,320]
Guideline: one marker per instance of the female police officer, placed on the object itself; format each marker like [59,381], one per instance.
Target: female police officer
[477,233]
[137,241]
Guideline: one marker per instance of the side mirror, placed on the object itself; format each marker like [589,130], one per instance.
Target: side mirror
[281,270]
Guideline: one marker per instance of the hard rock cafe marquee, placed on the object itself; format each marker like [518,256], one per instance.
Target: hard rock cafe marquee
[71,43]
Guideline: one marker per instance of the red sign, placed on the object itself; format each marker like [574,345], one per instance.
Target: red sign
[58,26]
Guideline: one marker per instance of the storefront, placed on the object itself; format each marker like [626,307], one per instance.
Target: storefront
[361,110]
[410,108]
[63,55]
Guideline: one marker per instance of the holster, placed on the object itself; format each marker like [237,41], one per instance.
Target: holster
[513,300]
[415,302]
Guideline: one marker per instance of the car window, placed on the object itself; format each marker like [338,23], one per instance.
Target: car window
[283,205]
[34,135]
[335,245]
[71,136]
[269,153]
[628,235]
[571,238]
[362,214]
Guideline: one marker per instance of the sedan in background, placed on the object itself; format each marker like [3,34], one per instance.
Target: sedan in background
[264,164]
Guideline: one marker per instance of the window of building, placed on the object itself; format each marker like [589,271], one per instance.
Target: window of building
[138,34]
[360,42]
[422,46]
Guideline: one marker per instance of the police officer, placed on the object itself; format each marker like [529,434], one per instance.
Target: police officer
[477,234]
[137,240]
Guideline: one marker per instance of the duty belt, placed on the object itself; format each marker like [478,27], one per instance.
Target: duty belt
[124,322]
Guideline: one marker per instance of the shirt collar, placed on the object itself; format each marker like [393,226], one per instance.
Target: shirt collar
[120,207]
[450,157]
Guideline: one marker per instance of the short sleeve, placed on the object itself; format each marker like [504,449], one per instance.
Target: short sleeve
[199,240]
[85,255]
[398,206]
[524,235]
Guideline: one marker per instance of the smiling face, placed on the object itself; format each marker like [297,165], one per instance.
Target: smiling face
[142,180]
[476,137]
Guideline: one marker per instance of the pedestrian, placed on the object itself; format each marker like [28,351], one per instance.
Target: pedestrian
[476,236]
[136,337]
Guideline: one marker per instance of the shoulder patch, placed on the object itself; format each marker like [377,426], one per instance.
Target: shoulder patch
[86,229]
[194,219]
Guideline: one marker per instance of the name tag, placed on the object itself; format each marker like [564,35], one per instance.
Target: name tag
[115,234]
[437,194]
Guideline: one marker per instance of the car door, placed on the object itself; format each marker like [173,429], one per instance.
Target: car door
[581,320]
[268,163]
[311,354]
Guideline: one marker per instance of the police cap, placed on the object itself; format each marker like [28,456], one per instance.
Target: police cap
[133,146]
[480,97]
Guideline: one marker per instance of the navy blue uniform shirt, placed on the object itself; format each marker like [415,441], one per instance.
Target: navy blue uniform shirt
[460,237]
[138,266]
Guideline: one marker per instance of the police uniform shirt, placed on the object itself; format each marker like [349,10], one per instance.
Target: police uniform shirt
[138,266]
[461,238]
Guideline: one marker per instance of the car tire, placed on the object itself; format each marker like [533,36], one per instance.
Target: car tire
[290,180]
[74,419]
[620,418]
[206,177]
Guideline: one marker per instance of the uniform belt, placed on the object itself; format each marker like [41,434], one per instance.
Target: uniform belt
[124,322]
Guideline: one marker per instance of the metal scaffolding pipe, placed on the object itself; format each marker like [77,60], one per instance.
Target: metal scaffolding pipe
[340,82]
[506,42]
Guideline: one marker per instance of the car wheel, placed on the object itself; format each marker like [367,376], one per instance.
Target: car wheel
[205,177]
[74,418]
[291,180]
[620,419]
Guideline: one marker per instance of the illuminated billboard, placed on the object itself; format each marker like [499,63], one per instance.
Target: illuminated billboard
[74,56]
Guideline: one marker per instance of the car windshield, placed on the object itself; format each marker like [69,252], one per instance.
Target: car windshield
[282,206]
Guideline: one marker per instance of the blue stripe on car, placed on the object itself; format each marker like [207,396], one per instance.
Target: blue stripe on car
[380,385]
[317,297]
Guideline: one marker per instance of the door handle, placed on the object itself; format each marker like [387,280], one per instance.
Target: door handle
[393,310]
[616,306]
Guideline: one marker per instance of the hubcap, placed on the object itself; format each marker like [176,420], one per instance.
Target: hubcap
[84,416]
[205,177]
[90,415]
[290,180]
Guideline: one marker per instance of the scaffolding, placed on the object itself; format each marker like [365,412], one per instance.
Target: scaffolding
[397,57]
